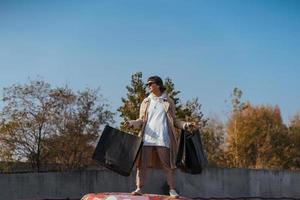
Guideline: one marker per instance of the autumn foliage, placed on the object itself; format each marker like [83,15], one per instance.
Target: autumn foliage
[42,125]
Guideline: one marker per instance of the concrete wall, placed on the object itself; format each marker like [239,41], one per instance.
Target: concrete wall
[213,182]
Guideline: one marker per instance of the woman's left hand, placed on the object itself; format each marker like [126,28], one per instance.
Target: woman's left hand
[190,126]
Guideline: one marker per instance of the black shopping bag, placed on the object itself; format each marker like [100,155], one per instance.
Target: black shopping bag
[117,150]
[191,157]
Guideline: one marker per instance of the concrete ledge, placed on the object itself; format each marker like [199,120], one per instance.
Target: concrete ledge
[213,182]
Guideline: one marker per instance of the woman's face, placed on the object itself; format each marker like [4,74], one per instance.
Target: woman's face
[153,87]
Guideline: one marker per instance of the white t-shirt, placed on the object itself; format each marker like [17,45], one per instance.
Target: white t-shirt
[156,130]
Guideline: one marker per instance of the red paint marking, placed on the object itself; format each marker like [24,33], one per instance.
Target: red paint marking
[126,196]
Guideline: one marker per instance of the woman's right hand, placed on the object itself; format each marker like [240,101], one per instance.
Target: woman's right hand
[127,124]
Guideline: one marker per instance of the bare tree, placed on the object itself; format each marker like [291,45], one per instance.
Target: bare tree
[35,114]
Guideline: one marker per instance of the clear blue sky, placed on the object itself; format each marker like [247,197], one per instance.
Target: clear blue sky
[206,47]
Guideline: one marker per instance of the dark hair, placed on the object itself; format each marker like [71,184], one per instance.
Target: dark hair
[157,80]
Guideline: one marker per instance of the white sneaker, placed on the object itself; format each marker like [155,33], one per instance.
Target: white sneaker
[138,191]
[173,193]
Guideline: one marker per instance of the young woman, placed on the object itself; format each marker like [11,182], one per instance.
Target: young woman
[157,122]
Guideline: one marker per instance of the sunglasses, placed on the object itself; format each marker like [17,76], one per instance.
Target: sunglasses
[149,83]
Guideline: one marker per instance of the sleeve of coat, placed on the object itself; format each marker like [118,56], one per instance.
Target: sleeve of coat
[138,122]
[177,122]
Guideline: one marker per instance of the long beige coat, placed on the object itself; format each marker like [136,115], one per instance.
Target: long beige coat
[169,107]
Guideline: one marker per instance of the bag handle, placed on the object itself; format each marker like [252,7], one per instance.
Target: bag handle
[191,134]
